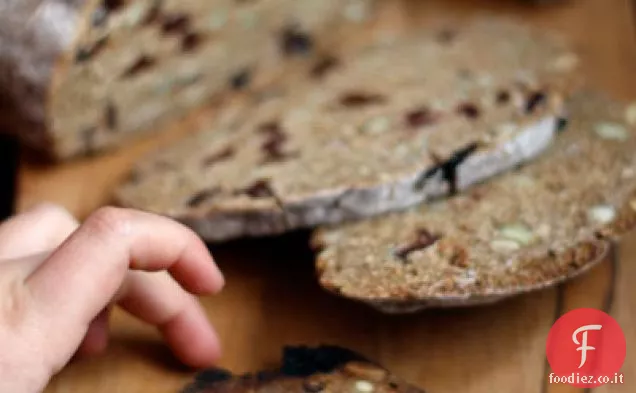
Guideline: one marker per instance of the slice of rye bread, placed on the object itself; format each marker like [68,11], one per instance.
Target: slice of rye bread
[82,76]
[526,230]
[384,130]
[307,370]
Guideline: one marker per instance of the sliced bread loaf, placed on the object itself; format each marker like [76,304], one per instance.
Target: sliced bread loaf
[83,75]
[307,370]
[381,130]
[525,230]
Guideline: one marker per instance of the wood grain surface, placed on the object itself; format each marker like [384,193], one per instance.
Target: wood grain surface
[271,298]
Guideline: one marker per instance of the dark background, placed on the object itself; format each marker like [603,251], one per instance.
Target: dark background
[9,153]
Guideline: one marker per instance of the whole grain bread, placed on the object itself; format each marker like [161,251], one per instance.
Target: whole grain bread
[322,369]
[525,230]
[79,76]
[381,130]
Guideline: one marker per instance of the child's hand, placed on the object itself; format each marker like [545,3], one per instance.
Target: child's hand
[58,280]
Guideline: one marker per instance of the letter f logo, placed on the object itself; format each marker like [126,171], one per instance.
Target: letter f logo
[583,346]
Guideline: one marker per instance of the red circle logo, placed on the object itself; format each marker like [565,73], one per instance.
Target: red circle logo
[586,348]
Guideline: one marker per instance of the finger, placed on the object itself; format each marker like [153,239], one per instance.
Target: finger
[96,338]
[159,300]
[93,262]
[37,230]
[81,277]
[186,331]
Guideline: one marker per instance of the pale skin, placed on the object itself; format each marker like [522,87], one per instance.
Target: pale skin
[59,279]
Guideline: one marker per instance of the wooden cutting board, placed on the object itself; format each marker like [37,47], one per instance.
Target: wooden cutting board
[271,298]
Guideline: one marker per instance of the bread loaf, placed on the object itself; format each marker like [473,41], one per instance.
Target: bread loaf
[79,76]
[377,131]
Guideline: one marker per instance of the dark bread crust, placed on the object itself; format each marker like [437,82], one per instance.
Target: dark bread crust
[304,370]
[303,361]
